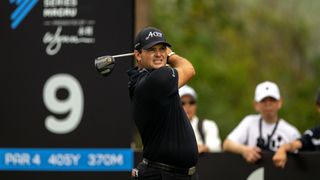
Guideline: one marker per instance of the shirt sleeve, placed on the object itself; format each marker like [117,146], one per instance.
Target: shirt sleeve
[310,139]
[212,137]
[240,133]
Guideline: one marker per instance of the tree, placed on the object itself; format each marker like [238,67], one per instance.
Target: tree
[236,44]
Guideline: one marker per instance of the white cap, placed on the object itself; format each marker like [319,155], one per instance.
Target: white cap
[187,90]
[266,89]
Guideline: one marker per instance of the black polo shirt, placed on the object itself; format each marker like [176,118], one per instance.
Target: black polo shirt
[165,130]
[311,139]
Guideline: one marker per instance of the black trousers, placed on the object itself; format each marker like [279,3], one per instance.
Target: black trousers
[144,172]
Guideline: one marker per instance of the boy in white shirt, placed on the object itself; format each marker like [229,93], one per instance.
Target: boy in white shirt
[263,131]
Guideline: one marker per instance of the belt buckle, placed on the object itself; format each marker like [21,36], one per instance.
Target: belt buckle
[191,171]
[145,161]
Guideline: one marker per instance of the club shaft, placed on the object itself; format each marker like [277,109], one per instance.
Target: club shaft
[123,55]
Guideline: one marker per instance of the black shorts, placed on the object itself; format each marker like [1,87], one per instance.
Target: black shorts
[144,172]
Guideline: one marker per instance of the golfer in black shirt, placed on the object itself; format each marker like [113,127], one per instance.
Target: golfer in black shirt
[169,144]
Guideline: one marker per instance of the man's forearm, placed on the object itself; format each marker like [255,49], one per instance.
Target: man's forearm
[185,69]
[233,147]
[293,146]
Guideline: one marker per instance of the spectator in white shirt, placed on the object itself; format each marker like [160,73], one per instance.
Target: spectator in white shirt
[206,131]
[263,131]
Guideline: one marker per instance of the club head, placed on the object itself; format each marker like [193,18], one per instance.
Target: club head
[104,65]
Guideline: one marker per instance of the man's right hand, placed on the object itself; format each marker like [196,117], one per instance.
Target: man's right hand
[185,69]
[251,154]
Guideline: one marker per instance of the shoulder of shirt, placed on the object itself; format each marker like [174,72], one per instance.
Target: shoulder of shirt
[249,120]
[210,125]
[286,125]
[251,117]
[315,131]
[209,121]
[165,69]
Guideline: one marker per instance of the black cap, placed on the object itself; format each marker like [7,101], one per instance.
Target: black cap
[318,98]
[149,37]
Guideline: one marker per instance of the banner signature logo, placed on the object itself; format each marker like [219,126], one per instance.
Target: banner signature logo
[55,40]
[22,10]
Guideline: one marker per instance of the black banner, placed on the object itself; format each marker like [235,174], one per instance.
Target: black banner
[229,166]
[51,94]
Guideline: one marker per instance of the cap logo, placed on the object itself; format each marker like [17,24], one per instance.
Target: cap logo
[151,34]
[136,45]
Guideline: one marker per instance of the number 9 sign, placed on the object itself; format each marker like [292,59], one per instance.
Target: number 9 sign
[71,106]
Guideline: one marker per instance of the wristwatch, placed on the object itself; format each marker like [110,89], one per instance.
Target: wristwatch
[169,55]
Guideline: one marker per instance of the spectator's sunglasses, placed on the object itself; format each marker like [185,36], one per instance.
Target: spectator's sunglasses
[192,102]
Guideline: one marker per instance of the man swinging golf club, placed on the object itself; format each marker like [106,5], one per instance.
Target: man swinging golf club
[169,145]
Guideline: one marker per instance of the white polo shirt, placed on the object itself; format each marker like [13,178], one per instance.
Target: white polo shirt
[247,132]
[210,131]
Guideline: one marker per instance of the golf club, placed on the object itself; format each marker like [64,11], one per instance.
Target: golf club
[105,64]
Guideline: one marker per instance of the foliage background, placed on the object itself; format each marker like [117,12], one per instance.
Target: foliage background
[234,45]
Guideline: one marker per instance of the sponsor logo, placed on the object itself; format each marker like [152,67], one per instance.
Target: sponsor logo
[55,40]
[22,10]
[152,34]
[61,15]
[60,8]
